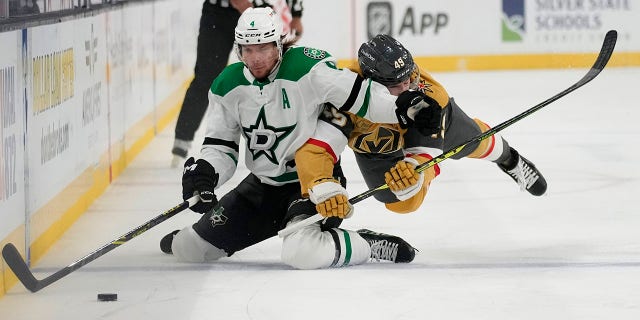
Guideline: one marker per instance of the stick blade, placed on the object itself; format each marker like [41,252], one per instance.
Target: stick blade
[608,45]
[19,267]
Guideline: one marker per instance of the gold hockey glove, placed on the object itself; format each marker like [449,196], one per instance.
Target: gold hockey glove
[403,180]
[331,199]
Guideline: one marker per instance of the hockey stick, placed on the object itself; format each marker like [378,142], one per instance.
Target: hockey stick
[601,61]
[22,272]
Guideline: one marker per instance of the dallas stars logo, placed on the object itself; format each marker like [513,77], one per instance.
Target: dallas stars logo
[316,54]
[264,139]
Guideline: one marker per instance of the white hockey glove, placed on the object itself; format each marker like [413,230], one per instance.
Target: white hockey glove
[331,200]
[403,180]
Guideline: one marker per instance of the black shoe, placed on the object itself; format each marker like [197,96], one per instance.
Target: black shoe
[388,247]
[165,243]
[525,174]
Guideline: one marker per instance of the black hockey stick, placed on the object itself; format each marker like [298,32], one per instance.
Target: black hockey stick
[22,272]
[606,51]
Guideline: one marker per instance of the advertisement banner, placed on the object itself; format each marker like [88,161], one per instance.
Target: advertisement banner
[424,26]
[53,107]
[12,195]
[568,25]
[91,123]
[471,28]
[431,27]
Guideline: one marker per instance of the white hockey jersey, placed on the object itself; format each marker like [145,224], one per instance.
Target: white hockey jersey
[279,115]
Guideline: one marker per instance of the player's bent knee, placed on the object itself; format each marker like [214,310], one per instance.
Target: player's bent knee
[311,248]
[188,246]
[308,248]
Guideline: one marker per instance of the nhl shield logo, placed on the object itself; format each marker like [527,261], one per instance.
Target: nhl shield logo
[379,18]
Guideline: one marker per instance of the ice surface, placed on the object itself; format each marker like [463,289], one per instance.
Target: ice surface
[487,250]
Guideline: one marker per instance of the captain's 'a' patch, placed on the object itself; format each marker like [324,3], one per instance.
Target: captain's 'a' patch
[316,54]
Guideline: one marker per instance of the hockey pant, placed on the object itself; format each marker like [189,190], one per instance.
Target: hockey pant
[253,212]
[312,248]
[308,248]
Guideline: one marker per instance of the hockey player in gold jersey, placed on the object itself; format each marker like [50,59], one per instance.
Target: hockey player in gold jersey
[388,153]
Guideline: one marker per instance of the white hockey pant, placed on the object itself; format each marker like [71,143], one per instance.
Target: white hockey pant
[310,248]
[188,246]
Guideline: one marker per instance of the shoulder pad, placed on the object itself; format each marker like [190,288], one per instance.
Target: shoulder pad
[298,61]
[228,79]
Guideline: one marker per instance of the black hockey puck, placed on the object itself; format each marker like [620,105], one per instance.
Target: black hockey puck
[107,296]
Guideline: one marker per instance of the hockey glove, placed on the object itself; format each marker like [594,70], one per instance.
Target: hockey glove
[416,109]
[199,177]
[331,199]
[403,180]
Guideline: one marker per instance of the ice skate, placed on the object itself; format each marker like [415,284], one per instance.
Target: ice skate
[388,247]
[166,241]
[525,174]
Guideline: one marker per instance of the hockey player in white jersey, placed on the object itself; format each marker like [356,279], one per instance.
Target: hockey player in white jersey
[273,98]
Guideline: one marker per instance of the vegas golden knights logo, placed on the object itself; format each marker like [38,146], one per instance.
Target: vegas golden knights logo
[382,140]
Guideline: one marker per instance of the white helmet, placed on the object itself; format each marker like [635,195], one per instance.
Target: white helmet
[258,26]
